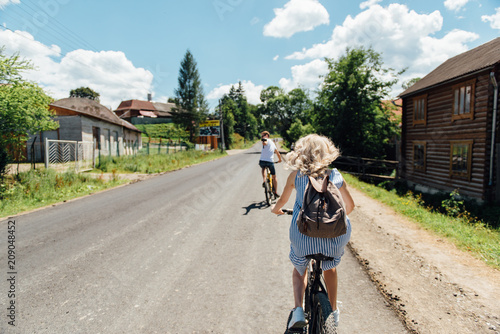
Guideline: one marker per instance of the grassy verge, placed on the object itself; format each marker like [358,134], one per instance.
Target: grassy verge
[239,143]
[38,188]
[467,233]
[157,163]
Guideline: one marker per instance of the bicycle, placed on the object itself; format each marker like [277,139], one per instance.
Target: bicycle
[317,308]
[268,187]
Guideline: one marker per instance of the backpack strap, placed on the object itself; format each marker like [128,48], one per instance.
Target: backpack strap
[321,186]
[316,184]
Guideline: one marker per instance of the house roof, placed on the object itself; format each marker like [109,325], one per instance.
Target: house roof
[397,104]
[147,113]
[136,105]
[163,109]
[479,58]
[93,109]
[144,108]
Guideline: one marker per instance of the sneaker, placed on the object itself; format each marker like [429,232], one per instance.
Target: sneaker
[276,195]
[298,319]
[336,315]
[263,184]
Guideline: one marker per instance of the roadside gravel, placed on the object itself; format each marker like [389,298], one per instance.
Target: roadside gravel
[434,287]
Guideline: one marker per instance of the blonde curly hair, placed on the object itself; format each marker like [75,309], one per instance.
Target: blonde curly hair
[312,155]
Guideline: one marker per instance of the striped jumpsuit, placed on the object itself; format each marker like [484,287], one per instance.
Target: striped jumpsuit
[302,245]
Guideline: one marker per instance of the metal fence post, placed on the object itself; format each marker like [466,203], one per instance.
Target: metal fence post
[77,145]
[46,153]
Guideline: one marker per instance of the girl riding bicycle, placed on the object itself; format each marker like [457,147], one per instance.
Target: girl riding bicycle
[311,157]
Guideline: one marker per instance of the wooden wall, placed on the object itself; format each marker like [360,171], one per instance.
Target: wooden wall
[440,130]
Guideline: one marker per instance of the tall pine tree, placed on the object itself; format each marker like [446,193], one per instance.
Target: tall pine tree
[191,106]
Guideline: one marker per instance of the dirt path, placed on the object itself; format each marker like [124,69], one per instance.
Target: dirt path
[434,287]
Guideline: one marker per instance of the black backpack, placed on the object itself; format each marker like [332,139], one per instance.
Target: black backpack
[323,213]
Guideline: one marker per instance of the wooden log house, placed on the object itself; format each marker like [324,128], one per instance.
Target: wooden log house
[450,135]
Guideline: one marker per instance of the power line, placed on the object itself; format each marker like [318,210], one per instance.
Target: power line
[63,39]
[62,26]
[95,69]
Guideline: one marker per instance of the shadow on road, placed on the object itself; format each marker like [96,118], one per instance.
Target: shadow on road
[255,206]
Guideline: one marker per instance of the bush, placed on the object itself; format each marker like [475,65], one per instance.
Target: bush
[4,161]
[451,204]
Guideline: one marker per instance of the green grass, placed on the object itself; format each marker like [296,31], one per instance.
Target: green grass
[157,163]
[38,188]
[163,130]
[467,233]
[238,142]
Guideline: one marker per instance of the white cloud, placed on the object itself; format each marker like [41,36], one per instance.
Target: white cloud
[296,16]
[403,37]
[109,73]
[4,3]
[252,91]
[442,49]
[306,76]
[493,19]
[276,57]
[368,3]
[455,5]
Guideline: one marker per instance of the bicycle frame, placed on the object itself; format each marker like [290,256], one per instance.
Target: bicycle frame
[314,290]
[268,188]
[314,285]
[269,179]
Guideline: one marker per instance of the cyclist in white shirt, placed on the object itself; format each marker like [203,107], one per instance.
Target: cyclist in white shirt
[267,159]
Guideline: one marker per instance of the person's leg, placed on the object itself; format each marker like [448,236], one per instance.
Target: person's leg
[298,319]
[275,184]
[331,286]
[272,169]
[263,175]
[299,287]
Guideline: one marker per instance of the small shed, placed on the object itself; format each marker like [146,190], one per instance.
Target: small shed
[450,136]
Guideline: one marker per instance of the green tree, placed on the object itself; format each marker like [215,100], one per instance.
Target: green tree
[245,121]
[297,130]
[280,110]
[85,92]
[191,106]
[11,68]
[407,84]
[349,107]
[24,107]
[227,106]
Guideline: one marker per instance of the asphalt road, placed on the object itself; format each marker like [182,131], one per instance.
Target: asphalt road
[192,251]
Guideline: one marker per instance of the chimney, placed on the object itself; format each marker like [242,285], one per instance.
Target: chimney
[149,97]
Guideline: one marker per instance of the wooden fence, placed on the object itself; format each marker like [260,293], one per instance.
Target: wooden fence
[368,168]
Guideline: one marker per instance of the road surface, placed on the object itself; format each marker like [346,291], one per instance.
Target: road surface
[191,251]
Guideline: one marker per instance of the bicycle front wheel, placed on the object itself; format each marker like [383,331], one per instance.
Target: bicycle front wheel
[322,320]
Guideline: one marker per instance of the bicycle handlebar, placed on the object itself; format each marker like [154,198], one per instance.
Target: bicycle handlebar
[287,211]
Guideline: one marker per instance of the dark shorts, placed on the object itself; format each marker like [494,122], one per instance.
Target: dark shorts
[265,164]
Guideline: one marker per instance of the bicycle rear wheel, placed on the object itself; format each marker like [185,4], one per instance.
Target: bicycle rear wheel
[322,321]
[268,193]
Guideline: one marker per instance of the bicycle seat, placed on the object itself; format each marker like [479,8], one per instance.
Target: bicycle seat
[319,257]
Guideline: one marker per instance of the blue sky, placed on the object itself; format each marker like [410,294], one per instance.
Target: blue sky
[127,49]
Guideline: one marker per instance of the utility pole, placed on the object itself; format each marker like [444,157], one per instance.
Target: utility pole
[222,145]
